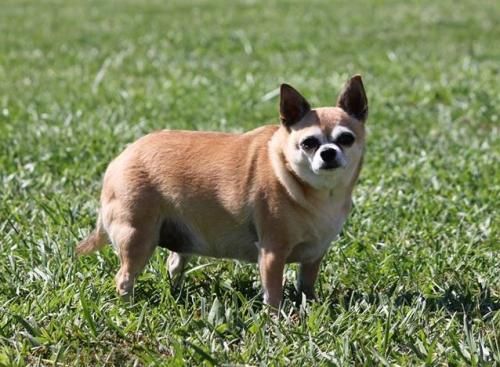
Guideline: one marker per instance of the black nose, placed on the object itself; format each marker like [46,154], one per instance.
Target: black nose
[328,155]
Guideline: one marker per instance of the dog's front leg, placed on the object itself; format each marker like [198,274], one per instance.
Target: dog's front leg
[271,266]
[308,274]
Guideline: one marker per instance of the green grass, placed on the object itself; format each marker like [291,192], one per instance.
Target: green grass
[415,279]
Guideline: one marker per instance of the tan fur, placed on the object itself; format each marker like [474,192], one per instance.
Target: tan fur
[244,196]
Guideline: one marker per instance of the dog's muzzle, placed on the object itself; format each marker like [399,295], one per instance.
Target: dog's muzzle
[331,157]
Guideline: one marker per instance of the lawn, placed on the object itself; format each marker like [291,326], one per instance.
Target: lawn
[415,277]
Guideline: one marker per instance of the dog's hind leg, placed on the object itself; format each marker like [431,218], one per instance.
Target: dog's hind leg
[176,265]
[135,247]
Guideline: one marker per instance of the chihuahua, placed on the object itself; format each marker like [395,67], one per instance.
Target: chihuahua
[275,195]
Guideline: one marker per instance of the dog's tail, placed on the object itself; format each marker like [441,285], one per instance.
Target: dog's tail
[95,241]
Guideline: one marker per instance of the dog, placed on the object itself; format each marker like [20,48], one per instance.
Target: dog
[275,195]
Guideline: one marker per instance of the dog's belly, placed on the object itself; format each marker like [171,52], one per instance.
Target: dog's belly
[234,242]
[217,234]
[239,242]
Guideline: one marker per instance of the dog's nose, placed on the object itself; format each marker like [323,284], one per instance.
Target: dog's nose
[328,155]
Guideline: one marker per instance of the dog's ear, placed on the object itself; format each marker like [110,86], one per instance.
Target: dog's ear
[292,105]
[353,99]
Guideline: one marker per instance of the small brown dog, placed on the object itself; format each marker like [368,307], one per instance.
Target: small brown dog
[274,195]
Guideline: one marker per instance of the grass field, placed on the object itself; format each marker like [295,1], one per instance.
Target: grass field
[415,278]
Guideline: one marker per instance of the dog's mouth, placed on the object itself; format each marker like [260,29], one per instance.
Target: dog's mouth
[330,166]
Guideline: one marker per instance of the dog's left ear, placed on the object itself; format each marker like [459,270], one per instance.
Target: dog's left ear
[292,105]
[353,99]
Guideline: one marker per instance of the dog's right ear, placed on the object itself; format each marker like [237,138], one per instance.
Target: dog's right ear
[292,105]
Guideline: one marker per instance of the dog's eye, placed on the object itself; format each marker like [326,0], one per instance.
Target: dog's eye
[310,143]
[345,139]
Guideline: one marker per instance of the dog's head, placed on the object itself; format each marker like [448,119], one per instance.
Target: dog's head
[324,146]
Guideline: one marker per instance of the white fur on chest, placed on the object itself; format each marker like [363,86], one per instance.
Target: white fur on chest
[328,224]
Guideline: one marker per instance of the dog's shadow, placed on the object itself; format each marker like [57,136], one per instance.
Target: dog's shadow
[244,290]
[454,300]
[241,288]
